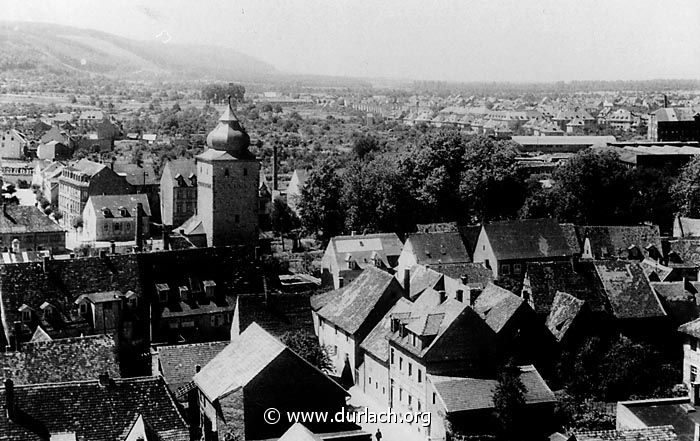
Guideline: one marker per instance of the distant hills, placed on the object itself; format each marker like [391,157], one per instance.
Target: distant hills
[42,47]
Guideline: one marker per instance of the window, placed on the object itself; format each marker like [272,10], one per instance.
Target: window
[26,316]
[517,268]
[693,344]
[410,399]
[117,226]
[400,363]
[419,406]
[505,269]
[370,380]
[410,369]
[400,394]
[238,218]
[225,172]
[83,308]
[434,397]
[420,377]
[693,374]
[245,172]
[106,227]
[392,356]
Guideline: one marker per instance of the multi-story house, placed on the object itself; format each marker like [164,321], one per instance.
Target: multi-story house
[81,180]
[26,228]
[691,358]
[115,217]
[254,373]
[178,191]
[347,256]
[12,144]
[505,247]
[344,317]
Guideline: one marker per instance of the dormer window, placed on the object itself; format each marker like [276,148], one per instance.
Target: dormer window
[123,212]
[226,172]
[26,312]
[83,308]
[193,179]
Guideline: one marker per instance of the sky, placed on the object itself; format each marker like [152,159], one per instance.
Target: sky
[446,40]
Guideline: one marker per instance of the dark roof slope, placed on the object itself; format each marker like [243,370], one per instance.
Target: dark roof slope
[628,290]
[547,278]
[527,239]
[178,362]
[19,219]
[615,240]
[464,394]
[350,307]
[476,274]
[376,342]
[92,411]
[108,206]
[438,248]
[68,359]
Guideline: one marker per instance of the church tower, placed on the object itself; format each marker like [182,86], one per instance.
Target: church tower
[227,185]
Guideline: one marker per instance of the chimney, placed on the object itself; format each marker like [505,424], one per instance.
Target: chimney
[464,279]
[166,238]
[112,247]
[460,295]
[18,335]
[407,282]
[274,167]
[10,399]
[45,263]
[341,282]
[138,227]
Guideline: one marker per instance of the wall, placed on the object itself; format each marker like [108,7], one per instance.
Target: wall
[376,379]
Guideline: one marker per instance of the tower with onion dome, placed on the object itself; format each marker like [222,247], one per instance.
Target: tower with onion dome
[227,187]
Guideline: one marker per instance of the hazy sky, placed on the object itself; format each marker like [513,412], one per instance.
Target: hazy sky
[513,40]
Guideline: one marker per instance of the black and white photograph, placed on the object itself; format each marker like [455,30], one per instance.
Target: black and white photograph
[350,220]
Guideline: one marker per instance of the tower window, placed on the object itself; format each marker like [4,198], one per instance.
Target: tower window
[245,172]
[238,218]
[225,172]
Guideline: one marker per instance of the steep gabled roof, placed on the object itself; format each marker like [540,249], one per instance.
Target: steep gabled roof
[628,290]
[376,342]
[363,249]
[547,278]
[350,307]
[615,240]
[497,306]
[239,362]
[18,219]
[527,239]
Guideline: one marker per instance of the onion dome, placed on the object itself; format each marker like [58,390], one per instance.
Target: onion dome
[229,135]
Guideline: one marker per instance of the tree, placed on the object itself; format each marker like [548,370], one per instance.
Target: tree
[306,345]
[364,145]
[509,401]
[686,190]
[320,207]
[592,188]
[491,186]
[218,93]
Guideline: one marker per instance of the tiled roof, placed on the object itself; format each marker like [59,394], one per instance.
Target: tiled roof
[654,433]
[350,307]
[87,167]
[527,239]
[178,362]
[183,167]
[108,206]
[476,274]
[444,227]
[497,306]
[653,267]
[239,362]
[464,394]
[299,433]
[687,249]
[69,359]
[135,174]
[659,412]
[565,309]
[691,328]
[438,248]
[614,241]
[546,279]
[18,219]
[628,290]
[92,411]
[363,249]
[422,278]
[376,342]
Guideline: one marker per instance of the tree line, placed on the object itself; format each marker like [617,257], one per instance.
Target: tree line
[449,176]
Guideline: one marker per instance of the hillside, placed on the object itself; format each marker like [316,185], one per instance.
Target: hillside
[61,49]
